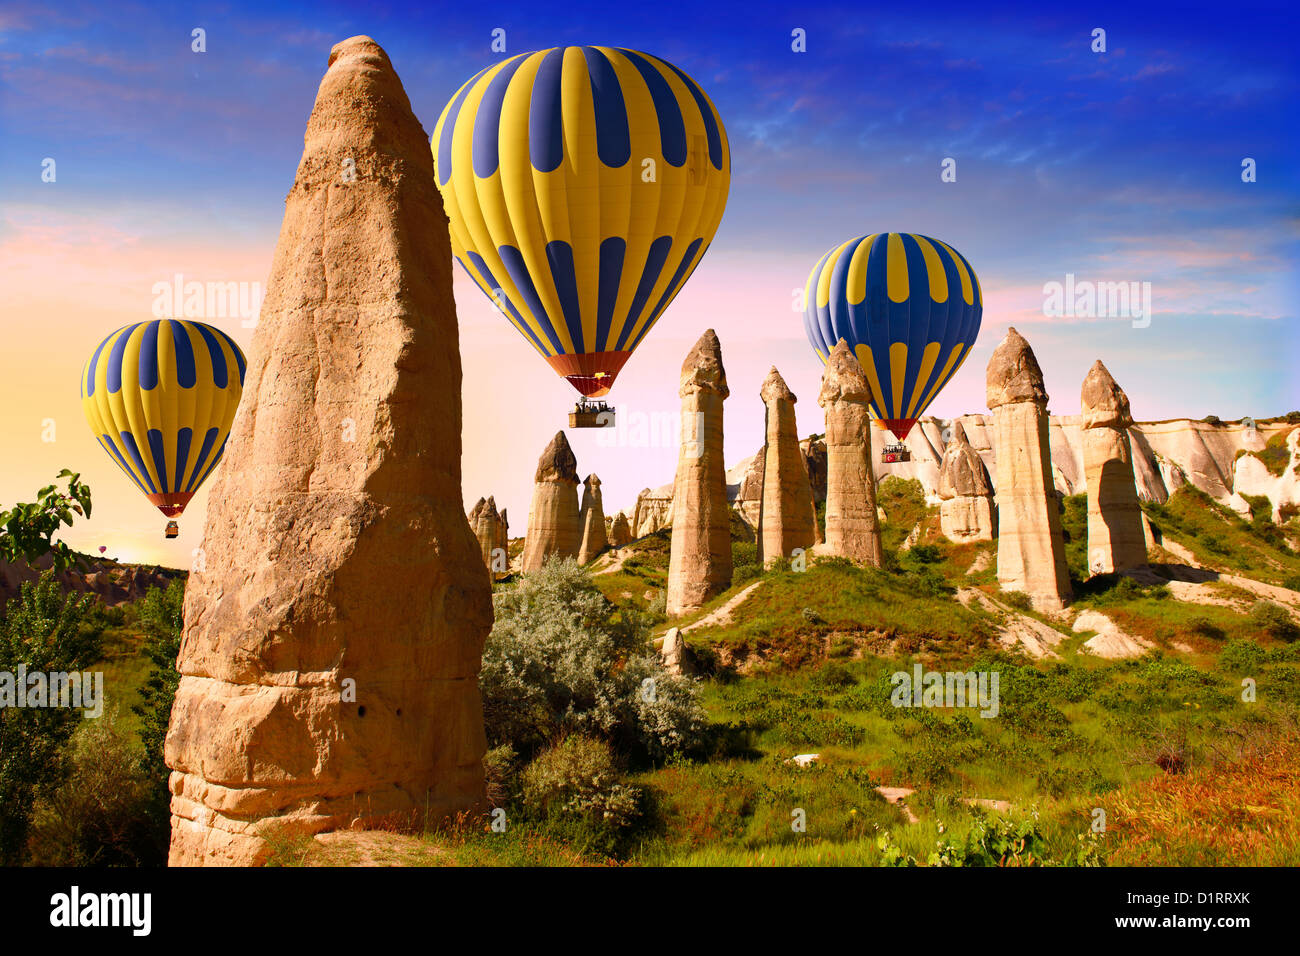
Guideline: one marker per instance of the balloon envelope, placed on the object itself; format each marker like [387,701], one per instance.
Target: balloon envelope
[160,397]
[909,307]
[583,186]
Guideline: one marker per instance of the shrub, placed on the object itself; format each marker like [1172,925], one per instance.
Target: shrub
[46,630]
[101,815]
[925,554]
[1205,627]
[574,789]
[1293,418]
[1211,419]
[559,661]
[1018,600]
[1274,620]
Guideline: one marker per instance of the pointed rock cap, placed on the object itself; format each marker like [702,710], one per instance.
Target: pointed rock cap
[592,481]
[489,512]
[504,520]
[962,472]
[703,367]
[1102,401]
[1013,373]
[361,106]
[775,390]
[843,380]
[558,463]
[476,510]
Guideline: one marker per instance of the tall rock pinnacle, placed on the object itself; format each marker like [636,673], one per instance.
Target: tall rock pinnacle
[699,563]
[554,524]
[1031,543]
[1115,537]
[785,519]
[331,647]
[852,528]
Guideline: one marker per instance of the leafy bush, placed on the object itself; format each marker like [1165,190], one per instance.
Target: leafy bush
[1274,620]
[102,813]
[47,631]
[575,790]
[560,661]
[578,776]
[925,554]
[1018,600]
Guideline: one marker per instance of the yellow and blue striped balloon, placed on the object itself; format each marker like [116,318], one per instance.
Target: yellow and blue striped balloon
[909,307]
[583,186]
[160,397]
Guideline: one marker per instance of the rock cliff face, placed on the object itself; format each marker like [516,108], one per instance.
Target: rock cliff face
[331,647]
[554,523]
[111,582]
[653,511]
[1221,460]
[1031,544]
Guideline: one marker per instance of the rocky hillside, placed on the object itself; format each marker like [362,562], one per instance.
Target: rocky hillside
[1229,461]
[114,583]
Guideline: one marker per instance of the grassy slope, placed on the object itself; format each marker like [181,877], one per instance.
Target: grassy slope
[1070,736]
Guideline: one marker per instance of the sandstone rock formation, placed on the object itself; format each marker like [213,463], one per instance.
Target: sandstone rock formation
[785,520]
[111,582]
[592,514]
[675,654]
[331,647]
[1031,545]
[653,511]
[699,563]
[1115,537]
[554,527]
[852,530]
[748,500]
[966,511]
[489,529]
[620,533]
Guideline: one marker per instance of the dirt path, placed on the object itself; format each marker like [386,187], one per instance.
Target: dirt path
[615,561]
[722,615]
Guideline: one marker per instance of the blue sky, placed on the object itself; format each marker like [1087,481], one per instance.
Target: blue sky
[1115,166]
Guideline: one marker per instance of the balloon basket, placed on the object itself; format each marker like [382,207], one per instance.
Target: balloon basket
[173,529]
[591,415]
[893,454]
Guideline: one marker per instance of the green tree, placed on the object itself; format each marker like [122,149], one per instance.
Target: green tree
[27,529]
[160,618]
[46,630]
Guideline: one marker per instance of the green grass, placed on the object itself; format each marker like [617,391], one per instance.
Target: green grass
[1221,539]
[1275,455]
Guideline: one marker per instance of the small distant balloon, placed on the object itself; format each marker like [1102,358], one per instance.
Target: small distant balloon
[102,549]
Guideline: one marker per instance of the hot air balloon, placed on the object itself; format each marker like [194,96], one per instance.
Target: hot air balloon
[583,186]
[102,549]
[909,307]
[159,397]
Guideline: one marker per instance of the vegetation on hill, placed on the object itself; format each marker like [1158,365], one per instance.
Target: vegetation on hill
[1221,539]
